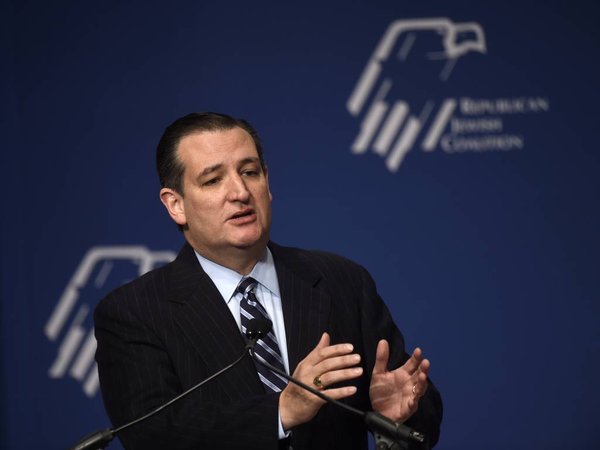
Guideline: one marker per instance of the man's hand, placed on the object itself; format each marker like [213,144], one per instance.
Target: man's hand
[331,364]
[396,394]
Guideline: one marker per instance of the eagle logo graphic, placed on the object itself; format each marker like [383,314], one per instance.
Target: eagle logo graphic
[387,126]
[101,269]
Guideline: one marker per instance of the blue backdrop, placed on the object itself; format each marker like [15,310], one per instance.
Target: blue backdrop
[450,148]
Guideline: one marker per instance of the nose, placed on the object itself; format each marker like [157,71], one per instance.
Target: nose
[237,191]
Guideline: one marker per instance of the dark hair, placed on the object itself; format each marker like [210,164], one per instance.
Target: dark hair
[169,166]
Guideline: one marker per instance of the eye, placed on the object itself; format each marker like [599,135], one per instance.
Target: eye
[211,182]
[251,172]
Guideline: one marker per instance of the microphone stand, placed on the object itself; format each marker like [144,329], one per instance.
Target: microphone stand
[389,435]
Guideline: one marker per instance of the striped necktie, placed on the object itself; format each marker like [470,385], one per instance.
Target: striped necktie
[267,348]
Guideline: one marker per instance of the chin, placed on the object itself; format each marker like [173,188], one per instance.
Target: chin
[250,241]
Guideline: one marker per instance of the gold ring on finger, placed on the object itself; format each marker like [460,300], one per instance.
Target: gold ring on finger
[414,389]
[317,382]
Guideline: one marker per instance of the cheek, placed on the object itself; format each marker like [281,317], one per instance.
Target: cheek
[265,194]
[265,201]
[202,211]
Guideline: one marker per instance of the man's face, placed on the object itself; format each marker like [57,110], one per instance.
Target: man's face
[226,201]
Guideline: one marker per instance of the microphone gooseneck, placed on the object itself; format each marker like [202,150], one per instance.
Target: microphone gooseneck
[257,328]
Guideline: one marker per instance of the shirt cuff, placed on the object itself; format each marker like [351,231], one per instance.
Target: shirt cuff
[282,433]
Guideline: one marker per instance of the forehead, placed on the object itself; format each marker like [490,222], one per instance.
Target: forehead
[208,148]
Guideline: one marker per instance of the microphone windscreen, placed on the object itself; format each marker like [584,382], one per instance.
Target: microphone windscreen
[258,328]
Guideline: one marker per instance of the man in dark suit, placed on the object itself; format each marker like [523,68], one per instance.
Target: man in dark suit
[169,329]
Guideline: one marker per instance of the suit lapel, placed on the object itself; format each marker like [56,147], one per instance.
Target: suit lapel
[306,305]
[205,320]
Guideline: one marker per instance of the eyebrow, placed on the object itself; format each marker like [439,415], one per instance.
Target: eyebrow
[210,169]
[250,159]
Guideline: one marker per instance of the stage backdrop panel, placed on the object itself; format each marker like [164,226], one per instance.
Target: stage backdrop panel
[449,147]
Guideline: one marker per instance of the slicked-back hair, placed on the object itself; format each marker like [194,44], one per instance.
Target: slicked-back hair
[169,166]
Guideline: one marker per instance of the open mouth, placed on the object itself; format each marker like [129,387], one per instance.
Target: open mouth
[244,213]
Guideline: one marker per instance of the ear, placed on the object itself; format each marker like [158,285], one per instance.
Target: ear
[173,201]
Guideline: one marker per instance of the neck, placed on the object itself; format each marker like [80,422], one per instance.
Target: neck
[241,260]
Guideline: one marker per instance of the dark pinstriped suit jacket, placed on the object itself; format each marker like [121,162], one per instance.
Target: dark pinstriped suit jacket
[169,329]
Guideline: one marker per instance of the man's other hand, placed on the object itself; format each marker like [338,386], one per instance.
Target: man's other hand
[395,394]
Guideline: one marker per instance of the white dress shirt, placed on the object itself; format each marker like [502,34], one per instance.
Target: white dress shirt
[267,293]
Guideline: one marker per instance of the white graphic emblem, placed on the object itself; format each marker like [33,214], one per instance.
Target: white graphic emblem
[78,344]
[390,129]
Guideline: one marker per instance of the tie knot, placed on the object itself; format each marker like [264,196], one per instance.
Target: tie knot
[247,285]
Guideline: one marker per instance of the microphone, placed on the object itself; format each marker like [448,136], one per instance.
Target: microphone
[257,328]
[380,425]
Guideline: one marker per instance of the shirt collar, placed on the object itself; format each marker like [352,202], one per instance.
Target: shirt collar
[227,280]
